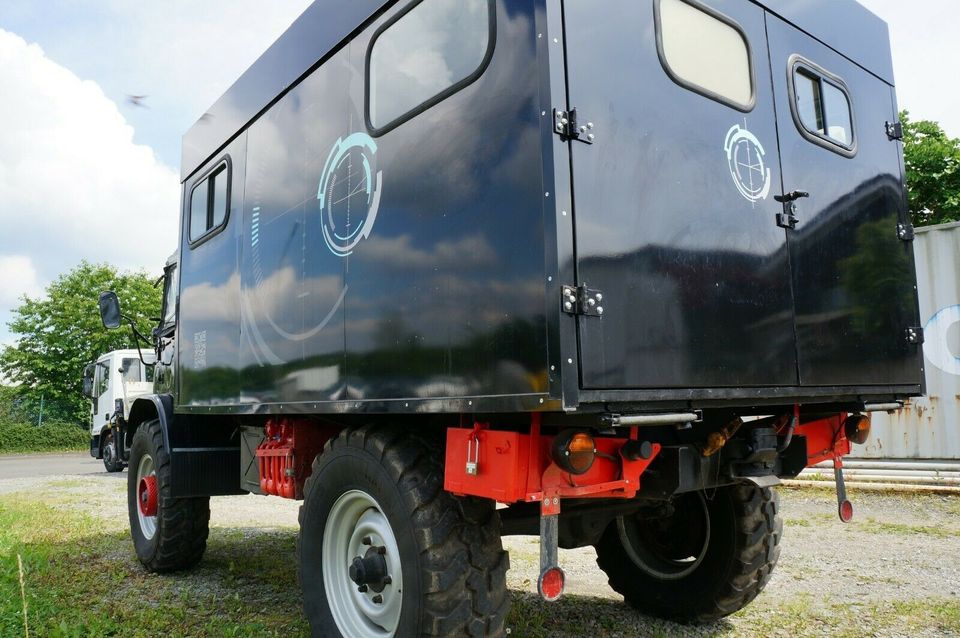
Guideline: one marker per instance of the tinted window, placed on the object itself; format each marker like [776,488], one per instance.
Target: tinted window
[219,184]
[837,109]
[210,202]
[808,102]
[822,107]
[198,210]
[705,53]
[424,55]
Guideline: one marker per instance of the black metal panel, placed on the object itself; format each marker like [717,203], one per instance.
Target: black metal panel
[845,26]
[693,271]
[446,296]
[854,279]
[319,30]
[208,324]
[436,288]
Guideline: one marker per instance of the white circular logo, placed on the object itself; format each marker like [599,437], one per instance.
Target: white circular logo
[748,166]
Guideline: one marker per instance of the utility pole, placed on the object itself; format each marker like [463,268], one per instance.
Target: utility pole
[40,418]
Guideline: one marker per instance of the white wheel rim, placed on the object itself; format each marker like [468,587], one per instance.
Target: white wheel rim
[148,524]
[355,516]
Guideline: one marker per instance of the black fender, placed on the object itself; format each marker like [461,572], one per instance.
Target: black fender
[204,453]
[145,408]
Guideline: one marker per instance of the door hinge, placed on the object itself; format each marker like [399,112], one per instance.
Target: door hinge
[567,124]
[895,131]
[905,232]
[914,335]
[580,300]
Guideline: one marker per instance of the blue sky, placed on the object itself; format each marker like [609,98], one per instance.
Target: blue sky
[86,175]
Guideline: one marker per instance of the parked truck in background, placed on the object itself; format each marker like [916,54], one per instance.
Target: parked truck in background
[112,383]
[618,270]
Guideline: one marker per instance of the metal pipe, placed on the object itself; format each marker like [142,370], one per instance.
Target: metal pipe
[877,464]
[879,487]
[882,407]
[654,419]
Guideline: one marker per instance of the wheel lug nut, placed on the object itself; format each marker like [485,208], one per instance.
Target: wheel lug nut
[387,580]
[366,540]
[378,599]
[362,589]
[381,550]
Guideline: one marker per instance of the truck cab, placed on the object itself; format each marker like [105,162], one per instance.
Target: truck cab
[112,383]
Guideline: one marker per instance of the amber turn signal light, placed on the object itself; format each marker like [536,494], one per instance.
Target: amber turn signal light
[574,451]
[857,428]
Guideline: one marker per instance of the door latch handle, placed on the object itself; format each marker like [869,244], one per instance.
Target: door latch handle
[791,197]
[788,218]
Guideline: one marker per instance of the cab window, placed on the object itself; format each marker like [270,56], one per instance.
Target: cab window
[130,371]
[169,299]
[103,378]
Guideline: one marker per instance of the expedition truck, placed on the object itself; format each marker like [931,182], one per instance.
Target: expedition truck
[112,383]
[618,267]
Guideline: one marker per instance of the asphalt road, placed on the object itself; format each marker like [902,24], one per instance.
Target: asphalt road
[37,465]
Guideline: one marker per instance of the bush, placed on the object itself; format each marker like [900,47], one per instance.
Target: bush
[50,437]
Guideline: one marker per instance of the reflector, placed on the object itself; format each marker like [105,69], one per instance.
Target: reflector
[550,585]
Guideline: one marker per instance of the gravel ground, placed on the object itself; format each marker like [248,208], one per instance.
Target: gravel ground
[900,548]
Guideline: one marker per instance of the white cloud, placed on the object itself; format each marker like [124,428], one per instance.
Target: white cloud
[18,277]
[470,252]
[73,185]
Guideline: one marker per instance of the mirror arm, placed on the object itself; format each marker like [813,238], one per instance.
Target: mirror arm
[139,338]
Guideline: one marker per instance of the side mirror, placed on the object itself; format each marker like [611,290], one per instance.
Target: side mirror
[88,380]
[110,310]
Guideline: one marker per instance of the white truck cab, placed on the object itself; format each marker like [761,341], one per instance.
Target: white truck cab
[112,383]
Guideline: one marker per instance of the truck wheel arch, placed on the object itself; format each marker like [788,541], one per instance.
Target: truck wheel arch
[146,408]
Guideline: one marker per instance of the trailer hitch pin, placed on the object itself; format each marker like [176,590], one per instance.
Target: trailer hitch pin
[844,506]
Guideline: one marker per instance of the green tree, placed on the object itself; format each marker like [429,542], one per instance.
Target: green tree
[932,159]
[60,333]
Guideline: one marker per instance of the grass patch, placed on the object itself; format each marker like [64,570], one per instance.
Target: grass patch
[901,529]
[82,579]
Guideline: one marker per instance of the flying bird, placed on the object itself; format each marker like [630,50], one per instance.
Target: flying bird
[137,100]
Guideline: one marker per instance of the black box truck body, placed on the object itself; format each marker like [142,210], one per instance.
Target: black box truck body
[617,265]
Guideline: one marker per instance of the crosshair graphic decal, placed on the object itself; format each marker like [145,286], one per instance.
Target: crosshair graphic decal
[349,193]
[747,161]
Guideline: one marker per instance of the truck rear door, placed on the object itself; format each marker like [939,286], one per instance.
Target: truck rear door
[853,277]
[675,218]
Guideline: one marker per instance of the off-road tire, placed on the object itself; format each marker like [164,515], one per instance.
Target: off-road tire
[111,457]
[454,566]
[183,524]
[739,560]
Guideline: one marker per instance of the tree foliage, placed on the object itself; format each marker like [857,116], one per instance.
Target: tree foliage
[60,333]
[932,159]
